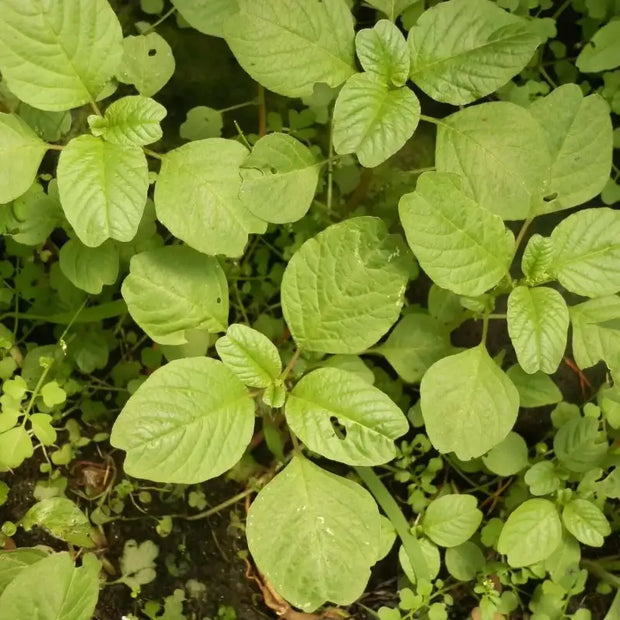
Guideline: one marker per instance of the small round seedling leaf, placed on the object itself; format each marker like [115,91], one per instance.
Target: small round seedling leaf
[372,120]
[586,522]
[102,188]
[53,588]
[535,390]
[197,197]
[343,289]
[508,457]
[89,268]
[15,447]
[41,424]
[52,394]
[207,16]
[279,179]
[450,520]
[531,533]
[202,122]
[342,417]
[431,555]
[469,405]
[465,561]
[300,536]
[191,420]
[462,246]
[174,289]
[579,445]
[602,53]
[250,355]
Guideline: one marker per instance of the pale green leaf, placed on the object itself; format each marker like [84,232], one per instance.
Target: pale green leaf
[250,355]
[469,405]
[197,197]
[279,179]
[460,245]
[55,55]
[89,268]
[609,401]
[462,50]
[372,120]
[542,478]
[300,536]
[580,137]
[289,46]
[53,588]
[452,519]
[531,533]
[431,556]
[596,335]
[564,559]
[465,561]
[13,562]
[102,188]
[501,151]
[62,519]
[15,448]
[152,7]
[535,390]
[537,258]
[130,121]
[602,52]
[191,420]
[508,457]
[50,126]
[42,427]
[445,306]
[538,327]
[387,538]
[137,563]
[579,445]
[586,522]
[391,8]
[586,252]
[382,52]
[52,394]
[414,345]
[351,363]
[173,289]
[21,152]
[207,16]
[147,63]
[343,289]
[202,122]
[345,419]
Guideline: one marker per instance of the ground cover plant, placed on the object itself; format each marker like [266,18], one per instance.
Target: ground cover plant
[309,309]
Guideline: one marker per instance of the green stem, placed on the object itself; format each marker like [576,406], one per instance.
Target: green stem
[153,154]
[330,171]
[55,147]
[520,236]
[397,518]
[614,610]
[290,365]
[88,315]
[561,9]
[238,106]
[163,18]
[485,328]
[598,571]
[430,119]
[229,502]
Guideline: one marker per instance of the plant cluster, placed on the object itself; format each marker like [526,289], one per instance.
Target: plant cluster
[186,299]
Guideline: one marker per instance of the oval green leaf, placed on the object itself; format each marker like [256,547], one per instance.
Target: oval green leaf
[207,16]
[452,519]
[586,522]
[89,268]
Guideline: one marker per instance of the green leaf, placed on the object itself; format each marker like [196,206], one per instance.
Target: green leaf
[173,289]
[595,332]
[138,563]
[538,327]
[290,46]
[279,179]
[250,355]
[130,121]
[41,424]
[609,401]
[351,363]
[460,245]
[414,345]
[147,63]
[299,533]
[15,448]
[382,52]
[373,121]
[207,16]
[430,553]
[602,53]
[62,519]
[580,137]
[102,189]
[501,151]
[465,561]
[13,562]
[586,252]
[463,50]
[197,197]
[56,58]
[53,588]
[469,405]
[535,390]
[579,445]
[21,153]
[508,457]
[202,122]
[391,8]
[345,419]
[531,533]
[49,126]
[564,559]
[89,268]
[445,306]
[343,289]
[52,394]
[191,420]
[585,521]
[537,258]
[450,520]
[542,478]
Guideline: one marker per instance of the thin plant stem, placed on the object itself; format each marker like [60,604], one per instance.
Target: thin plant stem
[262,112]
[238,106]
[162,19]
[485,328]
[521,235]
[229,502]
[397,518]
[290,365]
[430,119]
[561,9]
[55,147]
[497,316]
[235,288]
[95,107]
[242,136]
[598,571]
[330,172]
[153,154]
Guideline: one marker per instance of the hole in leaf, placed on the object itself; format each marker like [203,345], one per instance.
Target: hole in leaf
[550,197]
[218,300]
[152,52]
[339,429]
